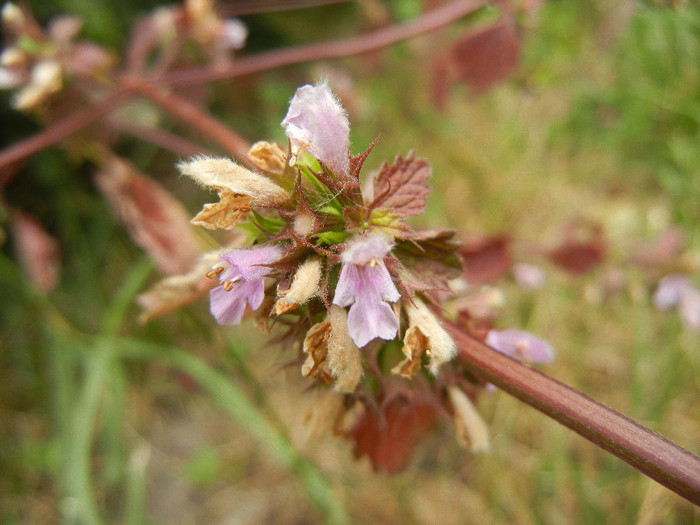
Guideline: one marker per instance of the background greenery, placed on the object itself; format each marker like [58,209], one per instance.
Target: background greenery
[103,419]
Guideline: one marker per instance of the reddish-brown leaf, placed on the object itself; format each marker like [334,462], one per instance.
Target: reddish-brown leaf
[578,257]
[582,250]
[403,186]
[38,251]
[484,58]
[388,439]
[157,221]
[485,259]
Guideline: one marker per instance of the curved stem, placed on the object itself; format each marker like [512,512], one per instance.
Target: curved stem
[430,21]
[196,117]
[651,454]
[56,132]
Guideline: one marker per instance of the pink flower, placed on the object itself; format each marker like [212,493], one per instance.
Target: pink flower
[242,281]
[671,290]
[317,123]
[678,290]
[366,286]
[520,345]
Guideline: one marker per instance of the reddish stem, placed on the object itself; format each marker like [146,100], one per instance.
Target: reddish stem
[58,131]
[373,41]
[159,137]
[196,117]
[651,454]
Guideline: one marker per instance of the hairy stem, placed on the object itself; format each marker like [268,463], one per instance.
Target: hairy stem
[651,454]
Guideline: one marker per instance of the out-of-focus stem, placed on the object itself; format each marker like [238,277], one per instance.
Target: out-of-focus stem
[195,117]
[56,132]
[159,137]
[430,21]
[651,454]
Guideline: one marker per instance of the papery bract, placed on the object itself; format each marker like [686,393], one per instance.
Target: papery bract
[520,345]
[366,286]
[245,276]
[317,123]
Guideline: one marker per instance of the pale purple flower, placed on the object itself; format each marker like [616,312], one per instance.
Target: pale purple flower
[678,290]
[670,291]
[242,281]
[529,276]
[366,286]
[233,33]
[520,345]
[317,123]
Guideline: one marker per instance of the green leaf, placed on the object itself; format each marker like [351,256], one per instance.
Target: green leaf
[331,238]
[390,223]
[204,467]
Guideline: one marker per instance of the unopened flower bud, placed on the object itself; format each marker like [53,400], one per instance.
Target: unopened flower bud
[436,341]
[304,286]
[233,33]
[12,17]
[46,78]
[12,56]
[225,174]
[303,224]
[529,276]
[472,431]
[164,22]
[238,188]
[344,358]
[10,78]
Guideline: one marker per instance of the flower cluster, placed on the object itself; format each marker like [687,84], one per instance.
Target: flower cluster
[40,64]
[357,289]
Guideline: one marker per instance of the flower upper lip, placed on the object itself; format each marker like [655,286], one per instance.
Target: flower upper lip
[317,123]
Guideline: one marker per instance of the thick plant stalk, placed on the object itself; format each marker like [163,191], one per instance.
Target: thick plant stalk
[651,454]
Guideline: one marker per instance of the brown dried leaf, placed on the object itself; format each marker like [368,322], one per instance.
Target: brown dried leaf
[268,157]
[226,213]
[402,187]
[156,221]
[316,346]
[37,250]
[415,345]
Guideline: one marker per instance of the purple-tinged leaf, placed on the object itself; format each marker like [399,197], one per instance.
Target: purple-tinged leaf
[403,186]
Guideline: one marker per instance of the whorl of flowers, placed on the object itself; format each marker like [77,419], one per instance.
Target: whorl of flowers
[356,288]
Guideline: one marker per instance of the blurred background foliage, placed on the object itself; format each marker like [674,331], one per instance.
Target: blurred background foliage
[106,420]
